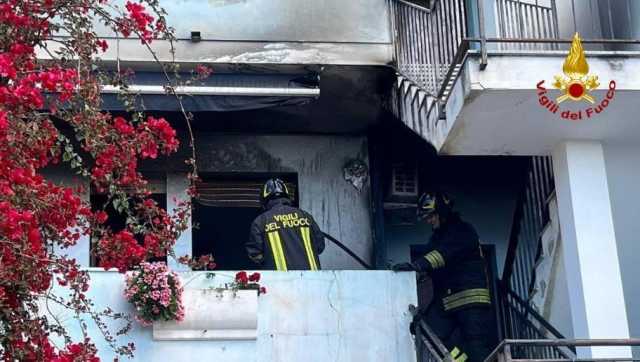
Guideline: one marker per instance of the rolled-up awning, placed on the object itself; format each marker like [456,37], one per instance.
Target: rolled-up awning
[218,93]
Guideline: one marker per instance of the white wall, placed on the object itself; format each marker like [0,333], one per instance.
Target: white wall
[341,316]
[282,20]
[265,31]
[623,176]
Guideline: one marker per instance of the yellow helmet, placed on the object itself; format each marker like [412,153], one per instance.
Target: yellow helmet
[433,203]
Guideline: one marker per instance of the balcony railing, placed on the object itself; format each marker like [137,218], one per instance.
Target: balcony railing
[428,41]
[429,348]
[541,25]
[518,19]
[430,47]
[530,218]
[520,321]
[431,44]
[504,351]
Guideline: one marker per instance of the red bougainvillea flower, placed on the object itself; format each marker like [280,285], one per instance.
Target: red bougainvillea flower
[51,115]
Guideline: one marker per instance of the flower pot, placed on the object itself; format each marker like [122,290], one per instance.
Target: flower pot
[212,314]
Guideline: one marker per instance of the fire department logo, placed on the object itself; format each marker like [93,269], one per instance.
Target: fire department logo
[575,84]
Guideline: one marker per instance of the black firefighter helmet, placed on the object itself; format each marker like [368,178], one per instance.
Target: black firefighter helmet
[431,203]
[273,188]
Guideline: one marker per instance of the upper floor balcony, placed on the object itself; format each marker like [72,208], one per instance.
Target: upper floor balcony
[478,77]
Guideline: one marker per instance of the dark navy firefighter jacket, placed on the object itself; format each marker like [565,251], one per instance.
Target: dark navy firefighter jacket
[285,238]
[456,265]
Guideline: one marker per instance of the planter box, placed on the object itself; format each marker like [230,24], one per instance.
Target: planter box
[213,315]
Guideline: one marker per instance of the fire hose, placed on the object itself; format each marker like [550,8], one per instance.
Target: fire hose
[348,251]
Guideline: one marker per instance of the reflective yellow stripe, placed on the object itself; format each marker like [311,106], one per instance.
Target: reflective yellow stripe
[282,258]
[457,356]
[438,257]
[455,352]
[306,237]
[468,300]
[435,259]
[432,261]
[276,248]
[466,293]
[469,296]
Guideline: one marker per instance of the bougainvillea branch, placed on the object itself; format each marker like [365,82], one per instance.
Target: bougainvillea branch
[51,114]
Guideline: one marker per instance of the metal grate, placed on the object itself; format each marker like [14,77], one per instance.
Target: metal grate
[232,193]
[404,180]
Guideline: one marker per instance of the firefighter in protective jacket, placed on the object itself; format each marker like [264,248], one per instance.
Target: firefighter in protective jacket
[457,268]
[284,237]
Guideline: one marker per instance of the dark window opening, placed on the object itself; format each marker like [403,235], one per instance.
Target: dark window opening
[117,222]
[223,211]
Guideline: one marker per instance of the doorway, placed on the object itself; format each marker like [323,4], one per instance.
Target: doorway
[223,211]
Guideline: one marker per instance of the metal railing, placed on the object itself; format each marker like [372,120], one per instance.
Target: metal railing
[431,43]
[429,348]
[505,350]
[517,317]
[520,321]
[429,50]
[519,19]
[529,220]
[427,41]
[542,25]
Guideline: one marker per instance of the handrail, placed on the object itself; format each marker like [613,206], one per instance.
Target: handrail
[553,40]
[576,342]
[514,234]
[504,347]
[426,338]
[540,319]
[522,325]
[529,220]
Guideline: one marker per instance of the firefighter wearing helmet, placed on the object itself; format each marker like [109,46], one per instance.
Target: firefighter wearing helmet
[455,263]
[284,237]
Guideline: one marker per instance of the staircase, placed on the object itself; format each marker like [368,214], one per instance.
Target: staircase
[430,50]
[524,333]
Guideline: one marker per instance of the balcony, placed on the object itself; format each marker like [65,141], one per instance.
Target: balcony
[479,90]
[305,316]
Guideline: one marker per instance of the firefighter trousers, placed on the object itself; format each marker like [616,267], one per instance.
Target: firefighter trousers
[469,331]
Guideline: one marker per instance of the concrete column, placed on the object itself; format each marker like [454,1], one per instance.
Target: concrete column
[177,184]
[589,247]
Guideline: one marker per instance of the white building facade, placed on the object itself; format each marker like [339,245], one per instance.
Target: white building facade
[439,93]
